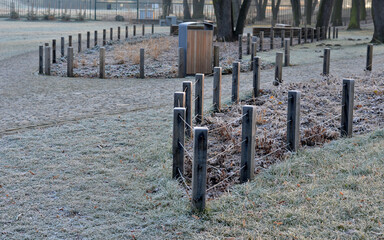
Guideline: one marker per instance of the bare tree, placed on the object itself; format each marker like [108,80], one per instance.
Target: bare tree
[296,11]
[275,10]
[354,19]
[186,11]
[378,21]
[337,15]
[363,10]
[324,14]
[166,7]
[261,6]
[198,9]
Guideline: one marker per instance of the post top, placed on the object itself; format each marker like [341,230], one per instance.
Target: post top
[348,80]
[179,108]
[200,129]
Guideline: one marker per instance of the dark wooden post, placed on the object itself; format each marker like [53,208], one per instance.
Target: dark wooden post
[240,46]
[199,170]
[329,32]
[178,142]
[369,57]
[287,54]
[143,30]
[62,46]
[253,53]
[282,38]
[291,37]
[102,62]
[247,170]
[235,82]
[334,32]
[70,40]
[272,38]
[318,33]
[305,35]
[104,37]
[88,39]
[95,38]
[111,34]
[118,32]
[216,56]
[47,60]
[337,33]
[312,35]
[153,28]
[279,67]
[300,36]
[347,107]
[217,89]
[41,59]
[324,33]
[126,32]
[199,98]
[261,41]
[182,66]
[248,43]
[79,42]
[187,89]
[256,76]
[327,59]
[141,62]
[54,51]
[134,30]
[293,120]
[179,99]
[70,62]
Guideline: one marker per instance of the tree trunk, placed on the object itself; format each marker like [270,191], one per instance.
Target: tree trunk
[261,6]
[275,10]
[308,11]
[166,7]
[363,10]
[378,21]
[325,11]
[236,5]
[337,15]
[187,12]
[223,13]
[198,9]
[354,20]
[296,11]
[242,17]
[314,4]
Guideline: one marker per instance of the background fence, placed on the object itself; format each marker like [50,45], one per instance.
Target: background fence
[138,9]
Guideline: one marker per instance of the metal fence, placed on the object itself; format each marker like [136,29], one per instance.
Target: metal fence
[137,9]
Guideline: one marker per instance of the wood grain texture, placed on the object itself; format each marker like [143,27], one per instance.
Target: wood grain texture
[199,51]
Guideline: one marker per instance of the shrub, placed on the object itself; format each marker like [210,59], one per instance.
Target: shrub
[119,18]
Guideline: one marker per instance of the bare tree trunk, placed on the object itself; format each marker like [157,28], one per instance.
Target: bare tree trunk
[223,12]
[314,4]
[261,6]
[325,11]
[296,11]
[198,9]
[363,10]
[187,12]
[242,17]
[166,7]
[354,20]
[378,21]
[337,15]
[236,5]
[275,10]
[308,11]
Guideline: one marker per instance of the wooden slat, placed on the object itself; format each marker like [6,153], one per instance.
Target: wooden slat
[199,51]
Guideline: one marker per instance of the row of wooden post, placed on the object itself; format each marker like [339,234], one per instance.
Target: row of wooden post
[199,170]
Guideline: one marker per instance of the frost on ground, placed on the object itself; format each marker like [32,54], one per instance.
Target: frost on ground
[320,123]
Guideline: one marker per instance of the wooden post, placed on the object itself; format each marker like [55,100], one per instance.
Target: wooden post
[79,42]
[70,40]
[47,61]
[347,107]
[95,38]
[235,82]
[134,30]
[324,33]
[279,67]
[300,36]
[327,59]
[182,66]
[217,89]
[41,59]
[247,170]
[104,37]
[318,33]
[261,41]
[282,38]
[369,57]
[287,54]
[240,46]
[216,56]
[293,121]
[143,30]
[88,39]
[248,43]
[334,32]
[272,38]
[291,37]
[153,28]
[141,62]
[253,53]
[312,35]
[337,33]
[256,76]
[199,98]
[70,62]
[62,46]
[199,168]
[179,100]
[118,33]
[111,34]
[54,51]
[102,62]
[178,142]
[187,89]
[305,35]
[329,32]
[126,32]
